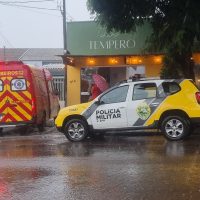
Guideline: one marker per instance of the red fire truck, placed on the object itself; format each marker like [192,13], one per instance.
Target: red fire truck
[27,95]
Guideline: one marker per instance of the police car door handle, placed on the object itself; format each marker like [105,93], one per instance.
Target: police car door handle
[122,107]
[154,104]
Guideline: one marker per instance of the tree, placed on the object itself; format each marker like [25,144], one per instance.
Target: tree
[175,24]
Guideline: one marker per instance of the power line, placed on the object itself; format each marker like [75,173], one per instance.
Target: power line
[60,7]
[68,17]
[30,9]
[5,39]
[39,12]
[33,7]
[37,1]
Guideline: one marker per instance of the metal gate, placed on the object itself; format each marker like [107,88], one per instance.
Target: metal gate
[59,83]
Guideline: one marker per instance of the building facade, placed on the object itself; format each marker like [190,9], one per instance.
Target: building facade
[49,58]
[115,56]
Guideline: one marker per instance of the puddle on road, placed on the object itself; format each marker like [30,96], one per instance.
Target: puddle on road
[19,181]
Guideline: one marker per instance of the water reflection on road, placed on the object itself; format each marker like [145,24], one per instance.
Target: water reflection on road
[49,167]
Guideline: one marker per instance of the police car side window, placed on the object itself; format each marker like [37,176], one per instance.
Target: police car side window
[1,85]
[170,87]
[116,95]
[144,91]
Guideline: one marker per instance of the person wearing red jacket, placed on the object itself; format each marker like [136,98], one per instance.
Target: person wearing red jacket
[95,91]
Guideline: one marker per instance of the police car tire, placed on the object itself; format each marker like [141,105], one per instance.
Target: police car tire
[185,127]
[82,123]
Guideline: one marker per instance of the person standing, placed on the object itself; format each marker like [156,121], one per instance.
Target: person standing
[95,91]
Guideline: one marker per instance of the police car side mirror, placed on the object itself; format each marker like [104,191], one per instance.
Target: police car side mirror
[99,102]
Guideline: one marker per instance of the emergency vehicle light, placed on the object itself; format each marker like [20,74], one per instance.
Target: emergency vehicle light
[33,104]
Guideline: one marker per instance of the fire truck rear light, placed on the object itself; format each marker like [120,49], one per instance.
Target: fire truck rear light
[33,104]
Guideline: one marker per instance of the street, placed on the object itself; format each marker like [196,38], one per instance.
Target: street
[48,166]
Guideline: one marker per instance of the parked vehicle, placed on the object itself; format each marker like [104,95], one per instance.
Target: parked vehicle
[173,106]
[27,95]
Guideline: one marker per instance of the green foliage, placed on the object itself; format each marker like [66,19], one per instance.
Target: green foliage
[171,68]
[177,64]
[175,24]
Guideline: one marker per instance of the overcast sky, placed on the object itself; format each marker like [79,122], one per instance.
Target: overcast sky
[22,27]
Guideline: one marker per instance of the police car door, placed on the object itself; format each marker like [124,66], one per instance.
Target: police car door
[142,103]
[111,111]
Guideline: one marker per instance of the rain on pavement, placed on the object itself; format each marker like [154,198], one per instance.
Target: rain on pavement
[48,166]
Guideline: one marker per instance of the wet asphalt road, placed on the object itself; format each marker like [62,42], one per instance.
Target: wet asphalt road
[47,166]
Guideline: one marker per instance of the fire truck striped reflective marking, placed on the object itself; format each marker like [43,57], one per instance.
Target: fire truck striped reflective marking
[9,118]
[19,115]
[22,105]
[2,109]
[11,98]
[25,95]
[15,104]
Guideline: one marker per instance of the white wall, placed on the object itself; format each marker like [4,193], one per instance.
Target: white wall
[34,63]
[131,71]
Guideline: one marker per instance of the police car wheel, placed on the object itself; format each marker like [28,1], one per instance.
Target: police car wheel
[76,130]
[175,127]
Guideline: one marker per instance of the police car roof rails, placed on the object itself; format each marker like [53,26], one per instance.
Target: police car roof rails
[133,79]
[128,80]
[120,82]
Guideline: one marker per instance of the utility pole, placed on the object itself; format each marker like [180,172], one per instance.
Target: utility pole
[64,28]
[65,48]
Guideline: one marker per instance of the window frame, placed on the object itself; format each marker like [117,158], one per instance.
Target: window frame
[102,102]
[171,93]
[156,96]
[26,87]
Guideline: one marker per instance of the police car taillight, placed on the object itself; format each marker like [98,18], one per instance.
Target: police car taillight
[198,97]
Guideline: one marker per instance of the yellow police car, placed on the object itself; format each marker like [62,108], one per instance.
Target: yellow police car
[173,106]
